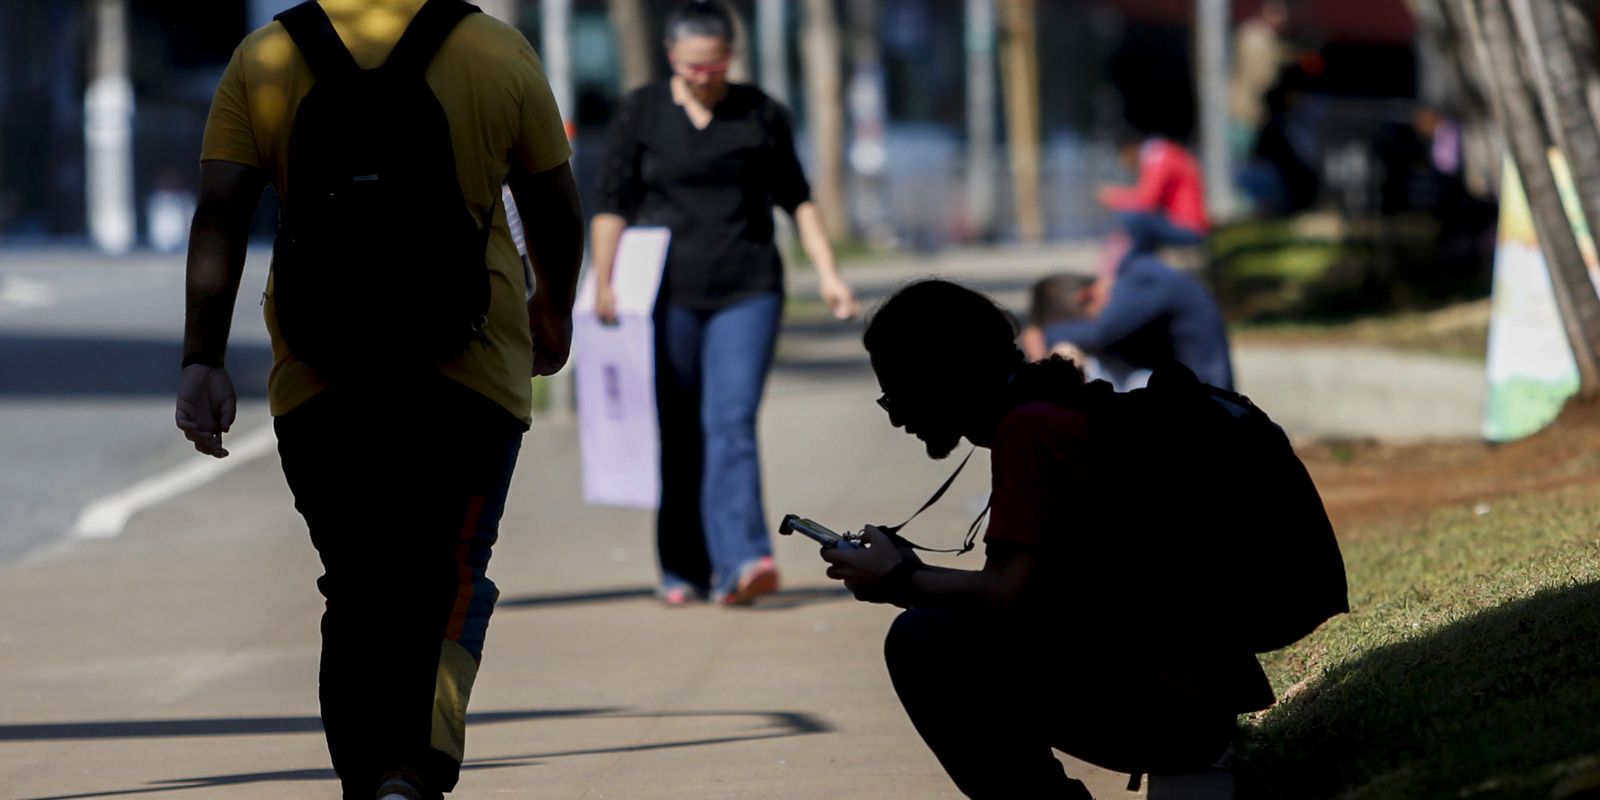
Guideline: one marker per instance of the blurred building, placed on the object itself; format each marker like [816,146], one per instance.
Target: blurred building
[1104,64]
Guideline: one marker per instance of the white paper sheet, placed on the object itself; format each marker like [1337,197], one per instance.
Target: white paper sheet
[614,371]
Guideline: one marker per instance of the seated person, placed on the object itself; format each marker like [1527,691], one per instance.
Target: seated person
[1055,642]
[1153,315]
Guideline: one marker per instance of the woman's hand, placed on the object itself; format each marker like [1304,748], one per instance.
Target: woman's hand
[841,301]
[605,305]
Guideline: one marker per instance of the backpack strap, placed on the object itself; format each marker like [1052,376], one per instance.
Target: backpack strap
[426,34]
[319,43]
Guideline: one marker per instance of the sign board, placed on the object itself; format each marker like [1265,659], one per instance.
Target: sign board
[1531,368]
[614,371]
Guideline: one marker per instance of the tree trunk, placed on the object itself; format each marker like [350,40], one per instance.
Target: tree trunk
[739,70]
[825,111]
[1530,142]
[1455,86]
[1019,56]
[1562,88]
[636,47]
[1580,22]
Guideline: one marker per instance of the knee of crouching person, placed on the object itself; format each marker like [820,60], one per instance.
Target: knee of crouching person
[914,635]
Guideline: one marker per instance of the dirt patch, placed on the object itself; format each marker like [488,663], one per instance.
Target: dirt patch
[1367,482]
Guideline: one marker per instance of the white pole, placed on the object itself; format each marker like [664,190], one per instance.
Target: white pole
[503,10]
[981,128]
[556,39]
[556,24]
[108,132]
[772,29]
[1211,75]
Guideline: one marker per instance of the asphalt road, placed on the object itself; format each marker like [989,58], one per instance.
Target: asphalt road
[89,355]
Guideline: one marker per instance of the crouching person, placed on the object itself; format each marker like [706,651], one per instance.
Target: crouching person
[1067,637]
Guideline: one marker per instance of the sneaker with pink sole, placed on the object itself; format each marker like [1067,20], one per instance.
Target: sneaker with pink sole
[757,578]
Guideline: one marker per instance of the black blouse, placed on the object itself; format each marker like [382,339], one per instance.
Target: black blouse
[714,188]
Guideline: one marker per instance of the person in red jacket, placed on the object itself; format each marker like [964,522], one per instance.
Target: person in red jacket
[1167,207]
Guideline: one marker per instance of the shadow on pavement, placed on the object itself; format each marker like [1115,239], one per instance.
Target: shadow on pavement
[66,366]
[779,725]
[236,726]
[788,598]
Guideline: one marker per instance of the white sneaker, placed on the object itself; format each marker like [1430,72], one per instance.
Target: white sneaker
[398,789]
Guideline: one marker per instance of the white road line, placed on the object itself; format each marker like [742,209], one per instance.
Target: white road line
[105,518]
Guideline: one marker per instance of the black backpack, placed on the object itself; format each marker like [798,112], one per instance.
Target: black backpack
[379,263]
[1233,544]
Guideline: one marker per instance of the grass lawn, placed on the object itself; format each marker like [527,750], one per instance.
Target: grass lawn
[1469,666]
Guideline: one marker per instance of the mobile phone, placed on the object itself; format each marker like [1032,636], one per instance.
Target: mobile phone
[814,531]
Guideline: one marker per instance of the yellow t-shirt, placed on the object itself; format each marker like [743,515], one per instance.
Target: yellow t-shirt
[502,117]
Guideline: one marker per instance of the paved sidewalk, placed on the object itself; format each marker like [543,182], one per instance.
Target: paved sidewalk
[179,659]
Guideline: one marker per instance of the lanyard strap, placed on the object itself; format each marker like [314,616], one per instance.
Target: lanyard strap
[972,531]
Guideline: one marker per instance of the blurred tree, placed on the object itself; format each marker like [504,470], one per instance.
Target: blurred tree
[771,30]
[1452,84]
[636,50]
[1496,45]
[1020,66]
[824,88]
[1563,80]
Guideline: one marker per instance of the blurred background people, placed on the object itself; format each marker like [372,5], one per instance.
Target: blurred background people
[710,159]
[1259,55]
[1153,315]
[1280,178]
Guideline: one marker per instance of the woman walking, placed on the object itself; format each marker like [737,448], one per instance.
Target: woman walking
[709,160]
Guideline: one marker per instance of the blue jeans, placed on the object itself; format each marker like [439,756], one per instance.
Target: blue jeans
[1149,232]
[711,369]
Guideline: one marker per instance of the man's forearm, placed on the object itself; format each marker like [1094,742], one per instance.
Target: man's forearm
[229,194]
[944,587]
[215,268]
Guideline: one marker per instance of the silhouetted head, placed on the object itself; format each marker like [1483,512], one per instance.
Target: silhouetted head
[944,356]
[700,47]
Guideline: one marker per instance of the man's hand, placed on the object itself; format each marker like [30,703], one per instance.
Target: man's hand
[862,568]
[552,335]
[206,407]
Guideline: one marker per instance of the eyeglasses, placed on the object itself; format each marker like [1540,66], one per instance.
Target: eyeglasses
[700,70]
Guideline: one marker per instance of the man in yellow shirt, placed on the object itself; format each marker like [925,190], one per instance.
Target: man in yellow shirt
[401,474]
